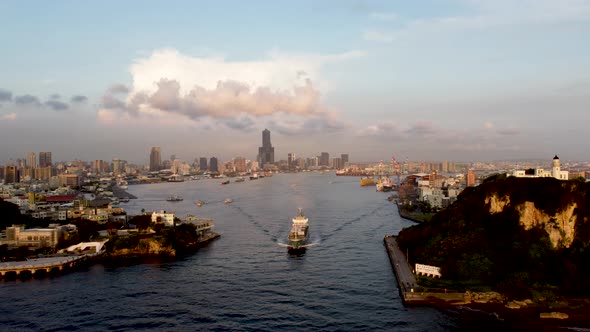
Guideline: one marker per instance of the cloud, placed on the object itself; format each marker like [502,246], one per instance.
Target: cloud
[9,116]
[79,99]
[488,125]
[423,128]
[508,132]
[118,89]
[5,95]
[57,105]
[379,130]
[238,94]
[27,100]
[55,96]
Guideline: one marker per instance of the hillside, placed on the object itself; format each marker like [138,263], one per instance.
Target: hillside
[517,235]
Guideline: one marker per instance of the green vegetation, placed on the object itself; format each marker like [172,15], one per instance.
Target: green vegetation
[473,245]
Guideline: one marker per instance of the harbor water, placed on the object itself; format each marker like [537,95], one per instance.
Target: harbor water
[245,280]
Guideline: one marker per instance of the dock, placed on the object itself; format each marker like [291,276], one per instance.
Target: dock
[41,265]
[412,293]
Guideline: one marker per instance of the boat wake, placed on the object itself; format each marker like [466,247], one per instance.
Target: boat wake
[302,246]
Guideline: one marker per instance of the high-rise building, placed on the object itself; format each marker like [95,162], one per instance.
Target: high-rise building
[213,165]
[240,164]
[203,164]
[45,159]
[324,159]
[155,159]
[117,166]
[337,163]
[11,174]
[32,160]
[291,161]
[266,153]
[470,178]
[344,158]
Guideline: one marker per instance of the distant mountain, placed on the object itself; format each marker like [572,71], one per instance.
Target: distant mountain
[516,234]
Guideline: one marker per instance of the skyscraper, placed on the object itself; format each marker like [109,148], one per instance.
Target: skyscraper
[266,153]
[291,161]
[45,159]
[213,165]
[203,164]
[344,158]
[324,159]
[470,178]
[32,160]
[155,159]
[11,174]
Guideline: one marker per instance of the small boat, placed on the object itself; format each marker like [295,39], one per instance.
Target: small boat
[228,200]
[174,198]
[240,179]
[124,199]
[225,182]
[199,203]
[254,176]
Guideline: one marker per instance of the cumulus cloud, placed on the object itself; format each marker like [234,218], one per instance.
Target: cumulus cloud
[423,128]
[57,105]
[9,116]
[5,95]
[79,99]
[380,130]
[27,100]
[237,94]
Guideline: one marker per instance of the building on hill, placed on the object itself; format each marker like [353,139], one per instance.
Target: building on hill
[555,172]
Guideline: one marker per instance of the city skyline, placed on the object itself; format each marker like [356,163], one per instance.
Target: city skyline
[457,80]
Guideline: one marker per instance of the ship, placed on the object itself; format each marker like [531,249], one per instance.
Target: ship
[299,233]
[367,181]
[199,203]
[176,178]
[254,176]
[225,182]
[240,179]
[228,201]
[384,184]
[174,198]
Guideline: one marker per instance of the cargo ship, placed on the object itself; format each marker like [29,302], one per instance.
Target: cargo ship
[367,181]
[299,233]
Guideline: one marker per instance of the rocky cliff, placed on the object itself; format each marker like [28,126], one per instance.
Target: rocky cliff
[510,233]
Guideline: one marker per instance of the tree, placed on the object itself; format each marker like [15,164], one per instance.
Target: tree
[142,221]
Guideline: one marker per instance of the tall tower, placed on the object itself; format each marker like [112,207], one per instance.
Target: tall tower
[155,159]
[32,160]
[45,159]
[203,164]
[266,153]
[213,167]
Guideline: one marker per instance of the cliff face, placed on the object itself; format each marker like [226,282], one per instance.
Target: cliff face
[560,227]
[511,232]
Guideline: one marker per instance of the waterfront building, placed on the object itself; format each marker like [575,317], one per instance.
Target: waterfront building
[240,164]
[163,217]
[117,166]
[203,164]
[290,161]
[555,172]
[155,159]
[337,163]
[17,236]
[43,173]
[45,159]
[213,167]
[266,153]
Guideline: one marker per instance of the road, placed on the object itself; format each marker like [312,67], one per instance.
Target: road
[403,271]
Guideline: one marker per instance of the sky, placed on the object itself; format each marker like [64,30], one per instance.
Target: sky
[432,80]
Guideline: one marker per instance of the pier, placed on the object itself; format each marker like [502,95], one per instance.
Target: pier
[44,265]
[412,293]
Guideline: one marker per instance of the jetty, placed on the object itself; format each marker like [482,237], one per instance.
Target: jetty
[41,265]
[412,293]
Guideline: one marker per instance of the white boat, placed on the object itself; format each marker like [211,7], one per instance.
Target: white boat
[254,176]
[228,200]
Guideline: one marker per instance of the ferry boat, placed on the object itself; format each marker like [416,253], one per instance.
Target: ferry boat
[367,181]
[254,176]
[384,184]
[174,198]
[299,234]
[176,178]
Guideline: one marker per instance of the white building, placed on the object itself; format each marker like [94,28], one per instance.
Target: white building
[555,172]
[166,218]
